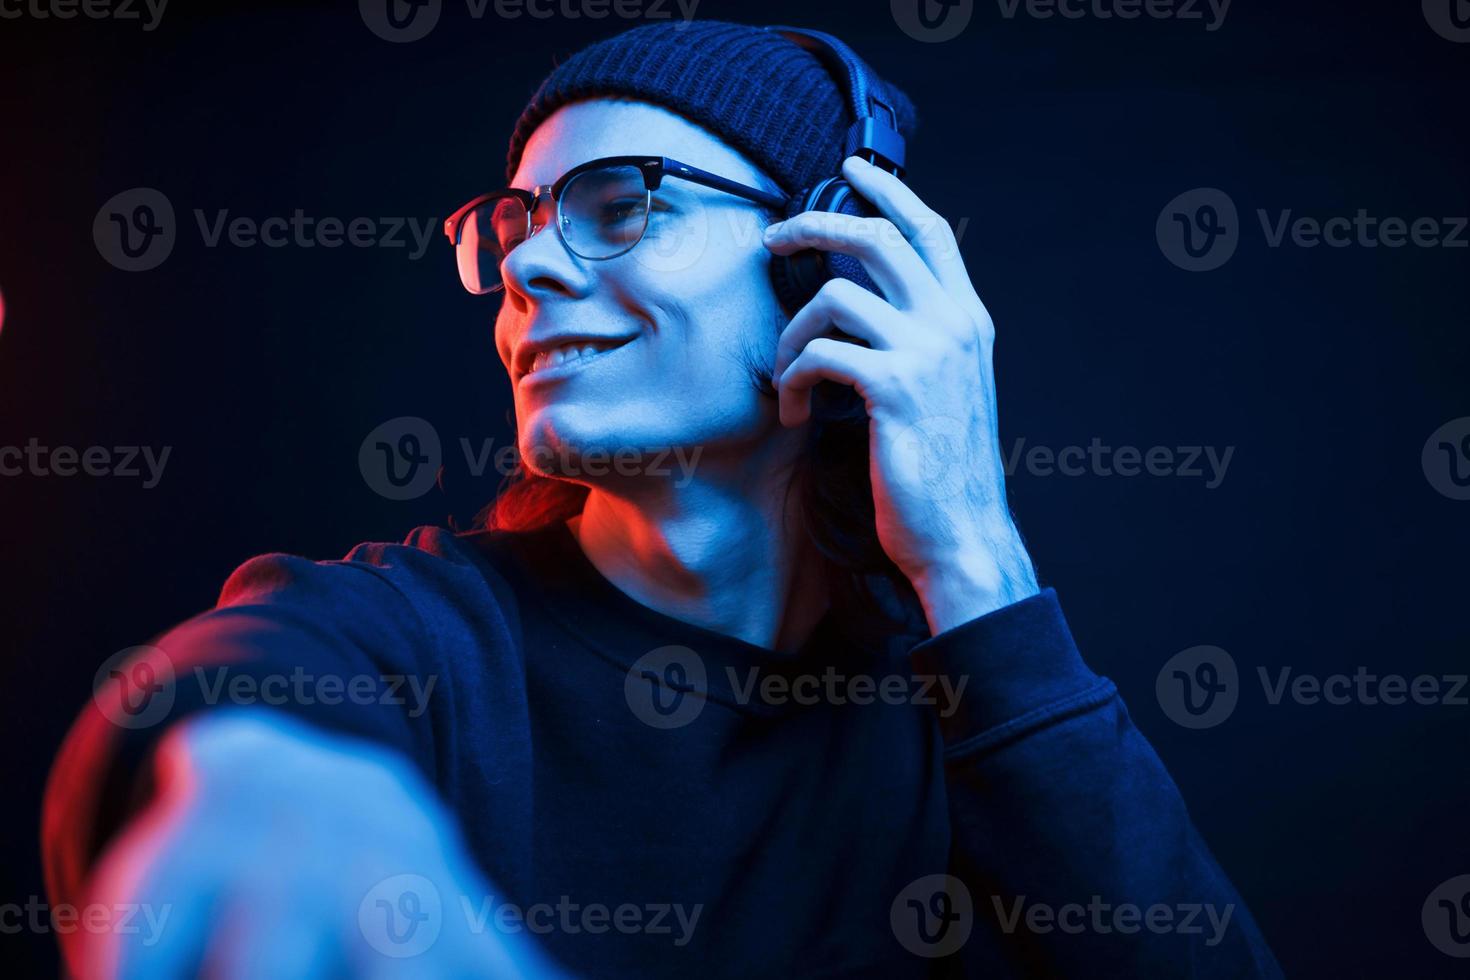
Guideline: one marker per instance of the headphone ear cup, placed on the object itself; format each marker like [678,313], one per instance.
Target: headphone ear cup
[792,275]
[798,276]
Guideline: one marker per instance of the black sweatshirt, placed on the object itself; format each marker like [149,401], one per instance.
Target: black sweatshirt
[660,800]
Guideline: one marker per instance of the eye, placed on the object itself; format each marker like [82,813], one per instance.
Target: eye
[621,209]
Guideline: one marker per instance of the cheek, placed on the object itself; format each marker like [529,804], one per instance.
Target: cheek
[503,335]
[720,301]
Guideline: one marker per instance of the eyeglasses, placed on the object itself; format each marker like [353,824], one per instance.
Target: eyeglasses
[602,209]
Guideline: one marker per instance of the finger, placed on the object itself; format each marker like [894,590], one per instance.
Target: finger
[875,242]
[274,933]
[843,304]
[825,359]
[171,909]
[926,231]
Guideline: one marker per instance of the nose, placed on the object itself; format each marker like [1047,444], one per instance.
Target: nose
[542,267]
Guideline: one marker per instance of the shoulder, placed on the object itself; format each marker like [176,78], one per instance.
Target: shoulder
[429,557]
[448,580]
[431,567]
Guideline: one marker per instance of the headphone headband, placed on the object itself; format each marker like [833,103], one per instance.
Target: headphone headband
[874,131]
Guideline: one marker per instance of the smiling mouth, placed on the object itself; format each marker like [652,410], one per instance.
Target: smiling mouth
[571,355]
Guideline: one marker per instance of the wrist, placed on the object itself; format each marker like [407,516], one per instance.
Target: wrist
[974,581]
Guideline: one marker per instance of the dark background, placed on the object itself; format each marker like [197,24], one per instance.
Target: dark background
[1325,548]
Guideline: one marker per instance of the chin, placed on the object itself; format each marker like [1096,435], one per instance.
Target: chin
[569,440]
[583,442]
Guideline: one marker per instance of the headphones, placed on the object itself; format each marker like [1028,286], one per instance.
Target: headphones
[873,135]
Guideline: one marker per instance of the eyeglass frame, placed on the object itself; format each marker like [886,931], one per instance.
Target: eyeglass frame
[654,170]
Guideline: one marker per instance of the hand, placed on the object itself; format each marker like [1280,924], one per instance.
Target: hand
[276,850]
[928,380]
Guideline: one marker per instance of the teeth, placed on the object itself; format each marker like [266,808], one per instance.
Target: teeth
[566,352]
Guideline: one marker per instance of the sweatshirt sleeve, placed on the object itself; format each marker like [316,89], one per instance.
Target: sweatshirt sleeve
[336,644]
[1074,844]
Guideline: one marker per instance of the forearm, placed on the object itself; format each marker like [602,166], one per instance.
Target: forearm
[1076,846]
[269,847]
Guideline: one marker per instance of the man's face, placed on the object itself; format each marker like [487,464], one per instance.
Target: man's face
[690,307]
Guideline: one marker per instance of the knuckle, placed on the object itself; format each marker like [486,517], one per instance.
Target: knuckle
[883,230]
[941,230]
[802,228]
[956,322]
[837,292]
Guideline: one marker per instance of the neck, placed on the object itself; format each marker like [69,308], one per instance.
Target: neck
[721,552]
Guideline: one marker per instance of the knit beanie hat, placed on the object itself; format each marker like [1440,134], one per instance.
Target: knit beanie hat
[758,91]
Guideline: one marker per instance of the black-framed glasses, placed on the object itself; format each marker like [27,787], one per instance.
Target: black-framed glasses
[602,209]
